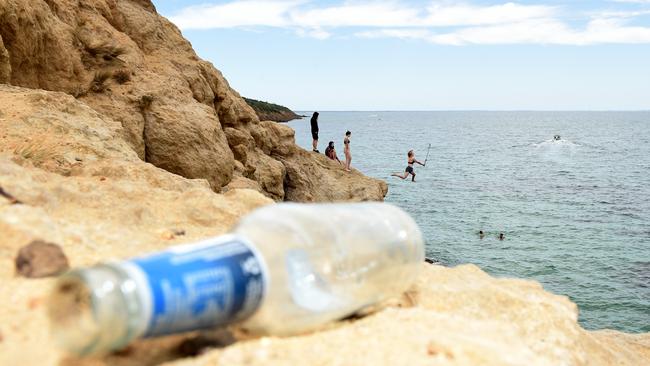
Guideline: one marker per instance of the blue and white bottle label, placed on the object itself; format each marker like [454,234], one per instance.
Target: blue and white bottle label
[205,285]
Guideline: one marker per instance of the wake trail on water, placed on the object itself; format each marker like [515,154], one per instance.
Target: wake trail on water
[555,150]
[555,144]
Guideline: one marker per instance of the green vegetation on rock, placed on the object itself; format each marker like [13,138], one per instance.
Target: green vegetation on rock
[271,112]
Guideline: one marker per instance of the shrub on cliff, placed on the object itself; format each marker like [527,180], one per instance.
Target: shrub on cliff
[98,85]
[122,76]
[271,112]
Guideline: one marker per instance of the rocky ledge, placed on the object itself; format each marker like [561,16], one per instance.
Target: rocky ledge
[116,140]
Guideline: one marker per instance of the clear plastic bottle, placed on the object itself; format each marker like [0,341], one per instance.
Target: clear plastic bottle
[284,269]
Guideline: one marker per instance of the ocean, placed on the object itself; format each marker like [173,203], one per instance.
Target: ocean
[575,212]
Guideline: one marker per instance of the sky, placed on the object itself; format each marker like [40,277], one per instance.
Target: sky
[426,55]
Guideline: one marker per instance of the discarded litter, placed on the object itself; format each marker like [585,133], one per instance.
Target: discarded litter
[284,269]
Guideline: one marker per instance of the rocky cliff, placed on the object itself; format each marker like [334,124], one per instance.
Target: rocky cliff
[176,111]
[116,140]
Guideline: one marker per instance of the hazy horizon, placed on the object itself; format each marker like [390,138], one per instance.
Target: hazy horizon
[471,110]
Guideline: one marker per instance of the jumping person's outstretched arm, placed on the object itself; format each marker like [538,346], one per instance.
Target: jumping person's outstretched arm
[423,164]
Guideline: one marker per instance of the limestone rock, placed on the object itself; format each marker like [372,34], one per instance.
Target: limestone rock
[175,111]
[452,316]
[41,259]
[315,178]
[5,65]
[55,132]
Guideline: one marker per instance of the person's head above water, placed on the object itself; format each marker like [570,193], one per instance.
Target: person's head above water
[556,137]
[348,133]
[501,236]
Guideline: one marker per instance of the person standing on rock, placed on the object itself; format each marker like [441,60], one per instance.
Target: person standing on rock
[314,131]
[346,150]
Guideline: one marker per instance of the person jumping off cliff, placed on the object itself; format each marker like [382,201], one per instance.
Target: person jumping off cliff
[409,166]
[314,131]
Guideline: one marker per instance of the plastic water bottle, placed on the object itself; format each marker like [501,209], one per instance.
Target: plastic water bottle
[284,269]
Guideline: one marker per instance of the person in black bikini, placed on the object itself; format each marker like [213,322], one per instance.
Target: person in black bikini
[346,150]
[409,167]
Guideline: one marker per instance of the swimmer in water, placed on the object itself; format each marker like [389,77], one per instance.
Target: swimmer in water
[409,167]
[556,137]
[481,234]
[501,236]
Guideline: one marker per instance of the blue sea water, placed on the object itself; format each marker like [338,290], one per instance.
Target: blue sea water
[575,212]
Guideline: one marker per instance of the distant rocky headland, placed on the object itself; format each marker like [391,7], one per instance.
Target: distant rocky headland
[272,112]
[116,140]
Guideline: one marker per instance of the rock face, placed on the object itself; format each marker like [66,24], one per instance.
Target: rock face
[176,111]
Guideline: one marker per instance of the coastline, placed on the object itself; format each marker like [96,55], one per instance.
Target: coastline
[272,112]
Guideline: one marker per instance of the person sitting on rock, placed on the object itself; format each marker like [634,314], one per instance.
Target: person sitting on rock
[330,152]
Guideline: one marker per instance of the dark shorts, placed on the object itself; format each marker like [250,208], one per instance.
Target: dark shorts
[314,135]
[409,169]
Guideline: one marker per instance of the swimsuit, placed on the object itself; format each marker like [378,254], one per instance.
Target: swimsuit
[409,167]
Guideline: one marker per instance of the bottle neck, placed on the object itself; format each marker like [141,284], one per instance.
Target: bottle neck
[95,309]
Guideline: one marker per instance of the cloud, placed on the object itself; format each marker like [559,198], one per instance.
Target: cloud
[313,33]
[235,14]
[632,1]
[453,15]
[598,31]
[440,22]
[356,15]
